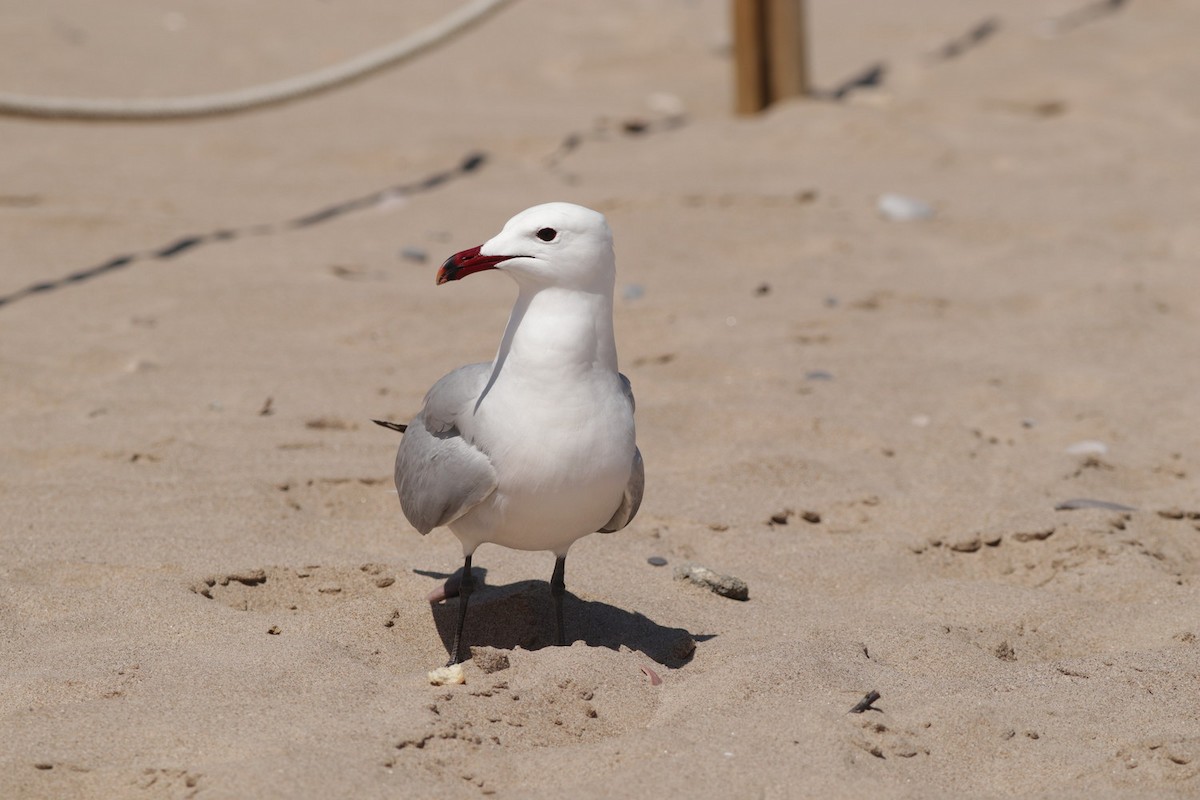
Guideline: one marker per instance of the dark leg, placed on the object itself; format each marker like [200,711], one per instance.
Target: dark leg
[557,588]
[464,594]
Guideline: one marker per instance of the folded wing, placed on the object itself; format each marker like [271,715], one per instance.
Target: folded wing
[440,475]
[631,500]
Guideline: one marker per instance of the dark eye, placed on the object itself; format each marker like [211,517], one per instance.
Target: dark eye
[547,234]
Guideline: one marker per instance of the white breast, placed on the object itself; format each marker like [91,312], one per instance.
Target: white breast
[562,453]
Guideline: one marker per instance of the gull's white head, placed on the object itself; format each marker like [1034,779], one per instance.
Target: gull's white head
[556,244]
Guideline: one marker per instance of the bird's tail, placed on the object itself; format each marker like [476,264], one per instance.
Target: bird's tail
[395,426]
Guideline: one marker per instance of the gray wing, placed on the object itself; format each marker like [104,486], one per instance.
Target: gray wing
[439,475]
[631,501]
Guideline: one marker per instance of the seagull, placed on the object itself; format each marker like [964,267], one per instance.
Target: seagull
[536,448]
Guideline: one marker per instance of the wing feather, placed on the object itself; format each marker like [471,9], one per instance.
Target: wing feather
[631,500]
[440,475]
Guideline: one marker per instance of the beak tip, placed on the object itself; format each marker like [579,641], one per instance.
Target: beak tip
[468,262]
[447,272]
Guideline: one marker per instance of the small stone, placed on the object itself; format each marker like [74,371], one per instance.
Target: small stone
[762,290]
[656,561]
[902,208]
[385,581]
[414,254]
[781,517]
[274,630]
[667,104]
[811,517]
[724,585]
[490,659]
[1172,513]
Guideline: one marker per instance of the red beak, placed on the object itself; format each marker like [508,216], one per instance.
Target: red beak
[460,265]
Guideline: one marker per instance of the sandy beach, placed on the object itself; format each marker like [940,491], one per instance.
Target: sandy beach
[954,458]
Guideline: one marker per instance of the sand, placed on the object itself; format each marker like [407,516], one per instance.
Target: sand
[206,585]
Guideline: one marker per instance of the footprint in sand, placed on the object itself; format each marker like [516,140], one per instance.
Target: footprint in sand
[293,588]
[887,741]
[552,698]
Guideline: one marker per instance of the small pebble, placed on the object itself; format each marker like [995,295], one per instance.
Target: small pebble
[811,517]
[762,290]
[724,585]
[384,582]
[656,561]
[1088,447]
[902,208]
[414,254]
[273,630]
[667,104]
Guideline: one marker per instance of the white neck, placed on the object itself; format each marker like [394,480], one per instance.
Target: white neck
[555,333]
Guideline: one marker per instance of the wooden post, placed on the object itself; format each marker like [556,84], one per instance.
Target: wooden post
[749,55]
[770,56]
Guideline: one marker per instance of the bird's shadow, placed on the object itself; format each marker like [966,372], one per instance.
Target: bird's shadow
[521,614]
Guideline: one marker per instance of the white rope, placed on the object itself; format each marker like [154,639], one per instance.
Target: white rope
[254,96]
